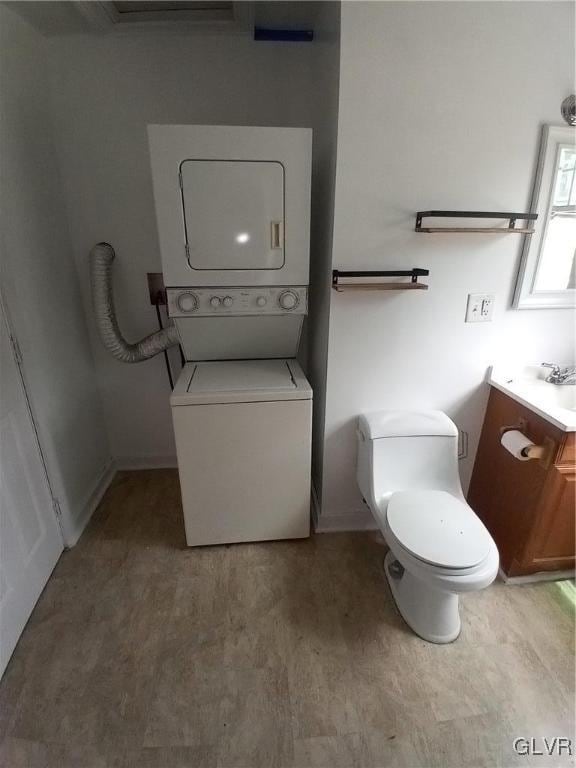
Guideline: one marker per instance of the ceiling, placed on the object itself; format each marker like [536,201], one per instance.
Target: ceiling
[60,17]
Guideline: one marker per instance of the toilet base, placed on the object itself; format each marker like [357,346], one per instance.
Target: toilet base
[431,613]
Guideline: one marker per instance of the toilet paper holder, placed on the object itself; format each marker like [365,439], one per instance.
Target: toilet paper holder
[544,453]
[521,425]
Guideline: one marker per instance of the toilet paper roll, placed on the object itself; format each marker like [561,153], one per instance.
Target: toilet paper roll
[515,443]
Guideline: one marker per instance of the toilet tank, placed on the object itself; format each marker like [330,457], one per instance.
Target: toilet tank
[406,450]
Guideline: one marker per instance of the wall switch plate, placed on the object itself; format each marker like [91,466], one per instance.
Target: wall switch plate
[479,308]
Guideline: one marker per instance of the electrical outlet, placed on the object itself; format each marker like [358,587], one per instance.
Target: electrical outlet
[479,308]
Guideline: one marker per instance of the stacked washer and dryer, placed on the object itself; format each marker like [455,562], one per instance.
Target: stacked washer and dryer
[233,212]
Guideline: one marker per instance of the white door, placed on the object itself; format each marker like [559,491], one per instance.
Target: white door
[30,539]
[233,214]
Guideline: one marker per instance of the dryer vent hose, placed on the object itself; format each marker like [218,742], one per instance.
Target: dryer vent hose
[101,258]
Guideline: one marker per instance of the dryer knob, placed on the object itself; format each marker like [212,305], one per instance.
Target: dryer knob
[288,300]
[187,302]
[227,301]
[215,301]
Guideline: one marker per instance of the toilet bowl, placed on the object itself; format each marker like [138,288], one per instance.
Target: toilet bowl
[408,474]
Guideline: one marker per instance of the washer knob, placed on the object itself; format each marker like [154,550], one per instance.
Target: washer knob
[288,300]
[261,301]
[227,301]
[215,301]
[187,302]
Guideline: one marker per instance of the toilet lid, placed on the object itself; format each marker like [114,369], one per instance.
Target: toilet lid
[437,528]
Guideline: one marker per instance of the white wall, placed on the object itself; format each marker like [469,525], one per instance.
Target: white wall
[39,280]
[441,106]
[326,80]
[106,90]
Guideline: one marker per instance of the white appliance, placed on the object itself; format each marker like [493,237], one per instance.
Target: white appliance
[243,434]
[233,210]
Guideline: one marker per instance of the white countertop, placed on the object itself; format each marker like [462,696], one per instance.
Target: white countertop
[527,385]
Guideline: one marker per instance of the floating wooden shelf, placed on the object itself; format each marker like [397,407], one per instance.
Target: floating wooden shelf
[509,230]
[380,287]
[413,285]
[495,230]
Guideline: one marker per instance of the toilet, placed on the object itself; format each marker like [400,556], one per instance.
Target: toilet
[407,472]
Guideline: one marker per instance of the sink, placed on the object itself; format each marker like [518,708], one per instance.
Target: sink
[527,385]
[558,396]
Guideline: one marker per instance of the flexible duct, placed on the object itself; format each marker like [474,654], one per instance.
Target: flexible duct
[101,258]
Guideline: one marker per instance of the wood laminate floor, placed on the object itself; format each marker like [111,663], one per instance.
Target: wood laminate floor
[142,653]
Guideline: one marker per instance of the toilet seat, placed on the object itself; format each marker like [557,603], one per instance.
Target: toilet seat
[438,529]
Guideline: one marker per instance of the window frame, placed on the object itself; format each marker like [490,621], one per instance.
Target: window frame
[525,296]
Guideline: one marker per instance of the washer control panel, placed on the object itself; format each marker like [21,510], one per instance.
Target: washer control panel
[206,302]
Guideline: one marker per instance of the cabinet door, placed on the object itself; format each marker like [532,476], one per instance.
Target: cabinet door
[504,492]
[551,543]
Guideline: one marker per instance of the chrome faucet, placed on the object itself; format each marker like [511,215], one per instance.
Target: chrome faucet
[560,375]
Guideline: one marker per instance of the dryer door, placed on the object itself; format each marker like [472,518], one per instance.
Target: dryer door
[233,214]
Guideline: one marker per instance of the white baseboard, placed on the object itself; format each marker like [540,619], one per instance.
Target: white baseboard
[74,530]
[360,520]
[533,578]
[93,499]
[146,462]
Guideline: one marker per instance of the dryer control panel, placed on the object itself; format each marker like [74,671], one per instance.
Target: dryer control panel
[232,301]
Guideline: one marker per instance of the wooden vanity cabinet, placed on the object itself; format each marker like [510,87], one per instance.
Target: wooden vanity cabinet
[529,507]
